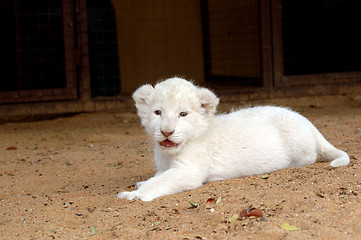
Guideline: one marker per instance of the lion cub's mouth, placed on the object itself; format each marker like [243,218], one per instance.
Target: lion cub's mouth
[168,144]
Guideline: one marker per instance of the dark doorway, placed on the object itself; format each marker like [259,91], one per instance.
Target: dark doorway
[321,36]
[32,46]
[103,49]
[232,42]
[316,42]
[34,50]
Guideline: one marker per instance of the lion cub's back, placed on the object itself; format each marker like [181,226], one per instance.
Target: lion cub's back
[251,137]
[266,115]
[261,123]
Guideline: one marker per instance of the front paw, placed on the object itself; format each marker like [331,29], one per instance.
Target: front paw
[134,195]
[128,195]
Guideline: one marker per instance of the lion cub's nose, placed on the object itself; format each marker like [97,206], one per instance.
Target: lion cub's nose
[167,134]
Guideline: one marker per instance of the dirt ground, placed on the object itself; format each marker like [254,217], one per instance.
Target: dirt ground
[59,179]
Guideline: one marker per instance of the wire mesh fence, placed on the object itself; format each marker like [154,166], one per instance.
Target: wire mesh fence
[31,45]
[223,43]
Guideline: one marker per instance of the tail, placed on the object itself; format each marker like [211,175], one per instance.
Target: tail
[327,151]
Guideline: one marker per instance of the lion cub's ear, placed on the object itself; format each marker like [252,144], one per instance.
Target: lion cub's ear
[141,97]
[209,102]
[142,94]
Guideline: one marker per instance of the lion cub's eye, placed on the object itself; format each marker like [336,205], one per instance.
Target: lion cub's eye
[183,114]
[158,112]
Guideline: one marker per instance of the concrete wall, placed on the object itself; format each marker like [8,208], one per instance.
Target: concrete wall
[158,39]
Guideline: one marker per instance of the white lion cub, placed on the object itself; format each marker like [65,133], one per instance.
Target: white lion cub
[194,146]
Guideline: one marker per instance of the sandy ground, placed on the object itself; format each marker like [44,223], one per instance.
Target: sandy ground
[59,179]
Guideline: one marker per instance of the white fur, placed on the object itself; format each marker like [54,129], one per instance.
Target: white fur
[215,147]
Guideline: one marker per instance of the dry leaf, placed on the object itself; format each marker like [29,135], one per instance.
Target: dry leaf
[265,176]
[12,148]
[194,205]
[175,211]
[233,218]
[256,213]
[244,213]
[210,203]
[92,228]
[251,212]
[288,227]
[317,105]
[320,195]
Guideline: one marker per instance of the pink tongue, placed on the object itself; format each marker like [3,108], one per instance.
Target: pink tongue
[167,143]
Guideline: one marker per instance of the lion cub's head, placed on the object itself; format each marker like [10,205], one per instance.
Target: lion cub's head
[174,112]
